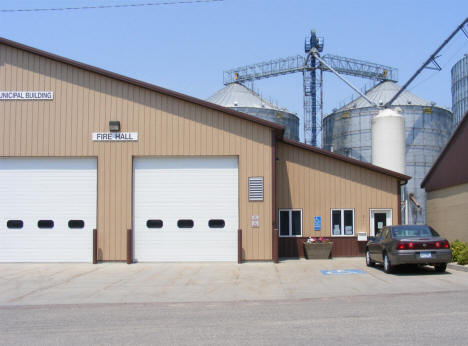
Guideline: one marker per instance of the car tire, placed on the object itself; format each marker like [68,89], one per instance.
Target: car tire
[369,262]
[440,268]
[387,266]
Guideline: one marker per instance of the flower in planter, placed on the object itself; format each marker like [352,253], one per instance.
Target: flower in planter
[312,240]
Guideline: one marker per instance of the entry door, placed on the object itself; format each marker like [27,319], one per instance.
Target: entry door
[185,209]
[380,221]
[379,218]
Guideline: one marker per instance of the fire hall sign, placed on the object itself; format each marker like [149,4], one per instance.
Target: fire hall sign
[26,95]
[115,136]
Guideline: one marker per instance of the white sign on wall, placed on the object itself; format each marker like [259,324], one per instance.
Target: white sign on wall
[26,95]
[255,221]
[115,136]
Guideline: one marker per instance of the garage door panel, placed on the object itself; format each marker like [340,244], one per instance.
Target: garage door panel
[187,247]
[193,188]
[46,246]
[57,189]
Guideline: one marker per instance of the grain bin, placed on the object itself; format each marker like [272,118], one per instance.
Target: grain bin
[427,129]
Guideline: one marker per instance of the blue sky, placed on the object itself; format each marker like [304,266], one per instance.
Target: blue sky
[187,47]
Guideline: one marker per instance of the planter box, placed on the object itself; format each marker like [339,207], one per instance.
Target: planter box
[318,250]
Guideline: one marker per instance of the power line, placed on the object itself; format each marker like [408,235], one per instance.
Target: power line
[108,6]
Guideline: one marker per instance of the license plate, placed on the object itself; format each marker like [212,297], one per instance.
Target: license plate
[425,254]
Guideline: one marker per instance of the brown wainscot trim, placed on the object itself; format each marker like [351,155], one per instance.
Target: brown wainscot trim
[275,245]
[95,248]
[239,246]
[274,238]
[399,202]
[292,247]
[129,246]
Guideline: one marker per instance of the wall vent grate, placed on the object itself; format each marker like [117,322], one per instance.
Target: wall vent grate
[256,189]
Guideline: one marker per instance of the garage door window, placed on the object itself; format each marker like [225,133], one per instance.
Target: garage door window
[15,224]
[45,224]
[342,222]
[185,223]
[290,222]
[76,224]
[216,223]
[154,223]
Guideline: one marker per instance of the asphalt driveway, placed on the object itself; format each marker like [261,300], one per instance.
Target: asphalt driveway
[45,284]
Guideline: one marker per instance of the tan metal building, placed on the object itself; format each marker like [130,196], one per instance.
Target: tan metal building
[82,148]
[446,185]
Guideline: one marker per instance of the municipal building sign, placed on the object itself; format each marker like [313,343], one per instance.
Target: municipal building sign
[26,95]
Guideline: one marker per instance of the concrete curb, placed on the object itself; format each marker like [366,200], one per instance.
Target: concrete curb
[457,267]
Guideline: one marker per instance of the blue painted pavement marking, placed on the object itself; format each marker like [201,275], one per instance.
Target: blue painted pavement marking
[342,272]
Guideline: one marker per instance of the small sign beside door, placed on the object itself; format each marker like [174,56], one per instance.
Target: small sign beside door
[254,221]
[317,223]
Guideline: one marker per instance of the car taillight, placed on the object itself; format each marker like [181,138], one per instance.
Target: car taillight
[405,246]
[446,244]
[437,244]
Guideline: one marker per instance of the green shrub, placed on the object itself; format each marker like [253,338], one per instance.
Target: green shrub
[463,256]
[459,252]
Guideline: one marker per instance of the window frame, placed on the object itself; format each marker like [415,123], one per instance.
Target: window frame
[289,210]
[76,220]
[184,220]
[45,221]
[154,220]
[15,220]
[342,210]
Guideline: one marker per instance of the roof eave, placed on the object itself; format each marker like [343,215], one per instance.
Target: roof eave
[399,176]
[455,134]
[136,82]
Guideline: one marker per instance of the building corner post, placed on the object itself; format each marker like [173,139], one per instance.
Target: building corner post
[129,246]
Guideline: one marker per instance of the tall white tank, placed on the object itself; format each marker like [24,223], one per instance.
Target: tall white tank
[388,140]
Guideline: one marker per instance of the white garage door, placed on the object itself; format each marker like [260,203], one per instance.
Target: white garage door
[185,208]
[47,209]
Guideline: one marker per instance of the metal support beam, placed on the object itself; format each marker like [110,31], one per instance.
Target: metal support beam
[316,55]
[430,59]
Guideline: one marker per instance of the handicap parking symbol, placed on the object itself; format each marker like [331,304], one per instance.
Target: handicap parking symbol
[342,272]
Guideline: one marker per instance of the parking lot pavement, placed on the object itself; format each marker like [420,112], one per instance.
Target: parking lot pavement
[31,284]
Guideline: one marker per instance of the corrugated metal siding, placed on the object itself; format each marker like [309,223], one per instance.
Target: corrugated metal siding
[84,102]
[447,212]
[316,184]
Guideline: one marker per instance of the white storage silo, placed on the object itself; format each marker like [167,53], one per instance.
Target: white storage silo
[388,140]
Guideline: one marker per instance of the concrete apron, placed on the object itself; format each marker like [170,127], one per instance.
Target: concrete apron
[37,284]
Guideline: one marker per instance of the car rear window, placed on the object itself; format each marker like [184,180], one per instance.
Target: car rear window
[414,232]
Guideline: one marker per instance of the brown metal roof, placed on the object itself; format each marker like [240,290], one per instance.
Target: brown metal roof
[451,167]
[340,157]
[278,128]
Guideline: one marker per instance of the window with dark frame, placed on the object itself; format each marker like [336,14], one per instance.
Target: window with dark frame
[15,224]
[185,223]
[76,224]
[45,224]
[216,223]
[290,222]
[342,222]
[154,223]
